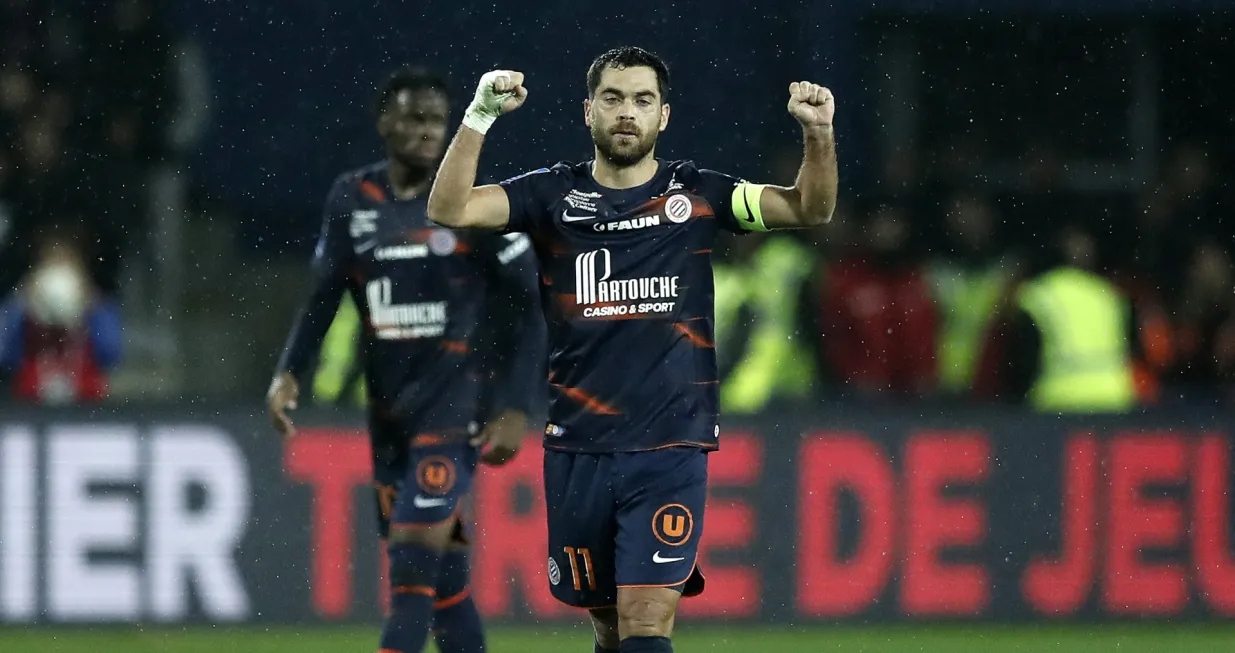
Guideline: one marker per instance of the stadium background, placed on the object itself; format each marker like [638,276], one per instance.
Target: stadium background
[193,150]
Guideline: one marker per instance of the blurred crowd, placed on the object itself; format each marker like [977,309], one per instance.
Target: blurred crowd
[1059,300]
[85,101]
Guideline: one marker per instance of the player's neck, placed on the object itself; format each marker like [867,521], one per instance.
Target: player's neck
[611,176]
[408,182]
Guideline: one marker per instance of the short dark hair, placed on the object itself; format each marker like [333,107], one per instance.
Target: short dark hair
[409,78]
[624,57]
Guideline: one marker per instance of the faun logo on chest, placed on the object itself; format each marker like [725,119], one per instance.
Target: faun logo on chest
[675,209]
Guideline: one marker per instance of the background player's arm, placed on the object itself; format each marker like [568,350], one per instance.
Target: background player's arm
[454,200]
[519,348]
[305,340]
[812,199]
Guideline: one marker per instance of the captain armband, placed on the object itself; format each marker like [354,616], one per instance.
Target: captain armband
[745,202]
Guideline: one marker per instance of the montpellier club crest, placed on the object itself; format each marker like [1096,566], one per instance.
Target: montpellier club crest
[678,208]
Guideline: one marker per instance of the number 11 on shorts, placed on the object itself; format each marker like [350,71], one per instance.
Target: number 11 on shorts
[574,566]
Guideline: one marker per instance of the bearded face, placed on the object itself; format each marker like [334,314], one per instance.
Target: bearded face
[626,115]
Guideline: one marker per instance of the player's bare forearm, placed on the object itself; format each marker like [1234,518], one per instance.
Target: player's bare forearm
[817,181]
[812,199]
[453,200]
[455,178]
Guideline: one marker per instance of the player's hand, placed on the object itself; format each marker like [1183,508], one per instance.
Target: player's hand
[499,92]
[508,86]
[812,104]
[281,398]
[501,438]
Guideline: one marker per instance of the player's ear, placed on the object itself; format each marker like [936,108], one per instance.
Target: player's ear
[664,116]
[587,111]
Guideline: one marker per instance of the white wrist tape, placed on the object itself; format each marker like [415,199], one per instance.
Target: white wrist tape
[486,106]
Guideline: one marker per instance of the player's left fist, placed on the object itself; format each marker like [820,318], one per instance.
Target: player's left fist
[812,104]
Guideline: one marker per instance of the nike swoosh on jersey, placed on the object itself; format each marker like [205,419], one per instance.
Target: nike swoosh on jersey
[425,502]
[660,561]
[566,217]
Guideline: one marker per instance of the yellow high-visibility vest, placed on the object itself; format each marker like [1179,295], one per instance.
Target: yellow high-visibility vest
[339,368]
[968,300]
[1086,362]
[774,364]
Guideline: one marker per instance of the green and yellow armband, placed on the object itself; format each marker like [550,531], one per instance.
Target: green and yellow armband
[745,201]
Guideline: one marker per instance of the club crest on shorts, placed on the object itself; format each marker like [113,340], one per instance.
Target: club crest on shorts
[555,574]
[673,524]
[435,475]
[678,208]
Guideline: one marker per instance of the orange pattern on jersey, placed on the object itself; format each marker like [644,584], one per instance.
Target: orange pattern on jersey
[428,440]
[373,191]
[589,402]
[694,338]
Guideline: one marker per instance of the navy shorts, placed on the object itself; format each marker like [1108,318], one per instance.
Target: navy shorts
[424,486]
[624,520]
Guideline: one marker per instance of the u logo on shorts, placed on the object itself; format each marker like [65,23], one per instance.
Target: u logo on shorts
[673,524]
[435,474]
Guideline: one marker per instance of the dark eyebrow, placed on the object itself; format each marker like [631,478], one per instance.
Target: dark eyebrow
[614,91]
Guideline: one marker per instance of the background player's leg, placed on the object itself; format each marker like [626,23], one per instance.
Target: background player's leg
[456,622]
[645,618]
[415,564]
[424,525]
[605,623]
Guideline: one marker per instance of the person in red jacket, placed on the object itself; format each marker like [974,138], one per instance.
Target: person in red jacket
[58,337]
[877,321]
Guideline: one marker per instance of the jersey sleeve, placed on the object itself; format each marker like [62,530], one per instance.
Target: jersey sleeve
[329,278]
[526,195]
[516,327]
[735,201]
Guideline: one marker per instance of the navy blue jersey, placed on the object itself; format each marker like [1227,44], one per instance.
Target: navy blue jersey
[626,287]
[451,330]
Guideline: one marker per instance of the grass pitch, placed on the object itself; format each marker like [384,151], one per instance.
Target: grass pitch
[1130,638]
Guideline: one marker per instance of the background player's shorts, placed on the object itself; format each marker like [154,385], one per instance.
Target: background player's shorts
[425,487]
[624,520]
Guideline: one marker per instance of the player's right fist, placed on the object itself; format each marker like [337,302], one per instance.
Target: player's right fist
[281,398]
[508,85]
[499,92]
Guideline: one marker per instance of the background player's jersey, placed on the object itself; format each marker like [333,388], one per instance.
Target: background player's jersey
[626,286]
[443,312]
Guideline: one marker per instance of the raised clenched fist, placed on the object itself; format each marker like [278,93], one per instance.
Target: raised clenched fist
[812,104]
[499,92]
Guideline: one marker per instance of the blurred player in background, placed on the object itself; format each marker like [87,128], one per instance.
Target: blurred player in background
[624,245]
[451,348]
